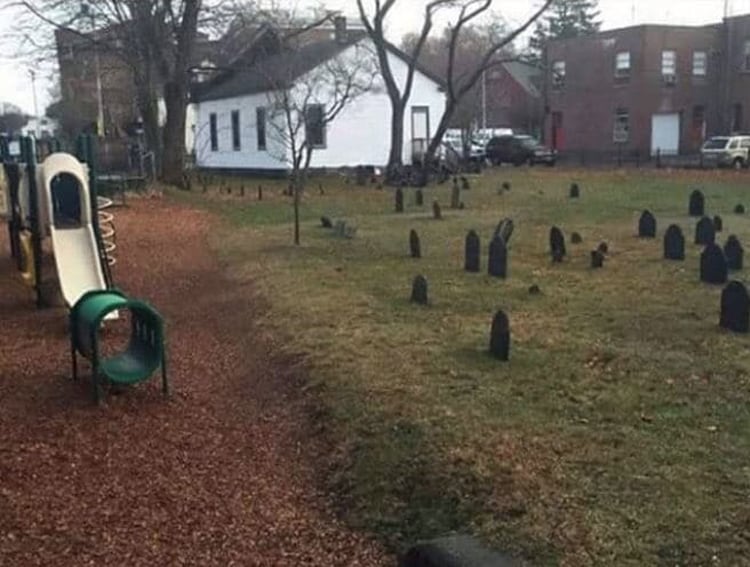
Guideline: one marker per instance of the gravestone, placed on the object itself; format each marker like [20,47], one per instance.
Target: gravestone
[325,222]
[697,204]
[419,290]
[399,200]
[735,308]
[557,244]
[361,176]
[674,243]
[320,189]
[575,191]
[603,248]
[419,198]
[500,336]
[505,229]
[647,225]
[704,232]
[461,205]
[498,258]
[437,214]
[472,251]
[455,197]
[718,224]
[505,186]
[340,229]
[739,209]
[713,265]
[242,190]
[576,238]
[734,253]
[465,185]
[260,192]
[414,247]
[534,290]
[597,259]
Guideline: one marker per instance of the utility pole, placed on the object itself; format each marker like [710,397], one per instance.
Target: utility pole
[86,11]
[32,74]
[484,101]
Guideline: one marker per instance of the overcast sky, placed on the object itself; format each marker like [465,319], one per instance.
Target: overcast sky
[15,84]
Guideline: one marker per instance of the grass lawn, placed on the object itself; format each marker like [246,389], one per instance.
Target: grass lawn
[619,432]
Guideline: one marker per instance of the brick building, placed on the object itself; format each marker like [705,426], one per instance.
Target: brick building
[648,88]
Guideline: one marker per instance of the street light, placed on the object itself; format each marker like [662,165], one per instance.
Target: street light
[32,74]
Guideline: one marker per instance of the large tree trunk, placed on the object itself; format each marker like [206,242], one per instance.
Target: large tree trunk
[149,111]
[175,101]
[395,157]
[445,121]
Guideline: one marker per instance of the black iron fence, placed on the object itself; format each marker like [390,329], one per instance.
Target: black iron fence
[632,158]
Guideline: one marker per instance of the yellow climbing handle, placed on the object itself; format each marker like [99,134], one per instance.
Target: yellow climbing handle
[107,229]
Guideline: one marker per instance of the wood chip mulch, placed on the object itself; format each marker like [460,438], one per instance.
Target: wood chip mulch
[222,473]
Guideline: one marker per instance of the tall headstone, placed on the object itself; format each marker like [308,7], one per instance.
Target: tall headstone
[498,258]
[500,336]
[697,204]
[437,213]
[597,259]
[718,224]
[647,225]
[414,246]
[557,244]
[734,253]
[419,198]
[674,243]
[419,290]
[455,197]
[505,229]
[472,251]
[735,308]
[399,200]
[714,265]
[704,232]
[575,191]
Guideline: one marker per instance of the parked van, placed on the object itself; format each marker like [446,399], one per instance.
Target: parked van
[726,151]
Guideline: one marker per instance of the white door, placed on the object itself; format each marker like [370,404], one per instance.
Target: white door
[665,134]
[420,131]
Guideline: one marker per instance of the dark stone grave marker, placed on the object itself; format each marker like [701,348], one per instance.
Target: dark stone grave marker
[735,308]
[739,209]
[535,290]
[697,204]
[399,200]
[557,244]
[465,185]
[455,197]
[714,265]
[419,290]
[734,253]
[718,224]
[576,238]
[505,229]
[597,259]
[419,198]
[260,192]
[603,248]
[647,225]
[472,252]
[704,232]
[498,258]
[325,222]
[575,191]
[500,336]
[414,246]
[674,243]
[437,213]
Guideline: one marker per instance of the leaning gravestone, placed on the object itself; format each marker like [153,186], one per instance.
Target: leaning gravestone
[419,198]
[399,200]
[505,229]
[697,204]
[325,222]
[419,290]
[674,243]
[455,197]
[597,259]
[472,252]
[576,238]
[647,225]
[500,336]
[734,253]
[739,209]
[704,232]
[575,191]
[735,308]
[414,247]
[718,224]
[557,244]
[498,258]
[713,265]
[437,214]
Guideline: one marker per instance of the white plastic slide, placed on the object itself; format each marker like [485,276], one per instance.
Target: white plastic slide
[66,203]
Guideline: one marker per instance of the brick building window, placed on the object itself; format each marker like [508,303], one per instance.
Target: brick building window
[558,74]
[214,132]
[236,138]
[737,120]
[621,133]
[668,66]
[700,62]
[746,56]
[622,65]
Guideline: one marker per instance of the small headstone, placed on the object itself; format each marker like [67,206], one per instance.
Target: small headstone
[576,238]
[455,197]
[379,187]
[325,222]
[714,265]
[505,229]
[419,290]
[419,197]
[734,253]
[557,244]
[735,308]
[465,185]
[704,232]
[498,258]
[361,176]
[697,204]
[647,225]
[242,190]
[462,205]
[414,248]
[739,210]
[472,251]
[597,258]
[674,243]
[506,186]
[320,189]
[399,200]
[575,191]
[500,337]
[534,290]
[437,214]
[260,192]
[718,224]
[603,248]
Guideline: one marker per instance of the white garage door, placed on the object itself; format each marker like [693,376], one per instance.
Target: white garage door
[665,133]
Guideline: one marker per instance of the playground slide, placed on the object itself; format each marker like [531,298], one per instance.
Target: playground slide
[65,199]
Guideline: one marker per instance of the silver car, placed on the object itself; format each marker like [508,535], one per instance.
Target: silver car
[726,151]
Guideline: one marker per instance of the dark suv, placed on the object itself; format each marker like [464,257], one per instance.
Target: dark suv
[519,150]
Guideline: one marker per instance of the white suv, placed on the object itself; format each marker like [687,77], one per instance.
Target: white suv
[727,151]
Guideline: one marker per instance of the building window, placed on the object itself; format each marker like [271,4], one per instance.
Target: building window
[315,128]
[737,117]
[700,62]
[236,139]
[260,127]
[622,65]
[699,124]
[668,66]
[622,126]
[214,132]
[746,56]
[558,74]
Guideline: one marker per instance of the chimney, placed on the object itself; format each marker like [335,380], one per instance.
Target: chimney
[339,26]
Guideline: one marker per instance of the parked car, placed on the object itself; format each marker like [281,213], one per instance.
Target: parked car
[519,150]
[726,151]
[453,139]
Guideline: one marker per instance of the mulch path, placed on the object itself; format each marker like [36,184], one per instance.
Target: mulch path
[222,473]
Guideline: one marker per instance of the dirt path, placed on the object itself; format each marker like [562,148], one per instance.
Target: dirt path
[221,474]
